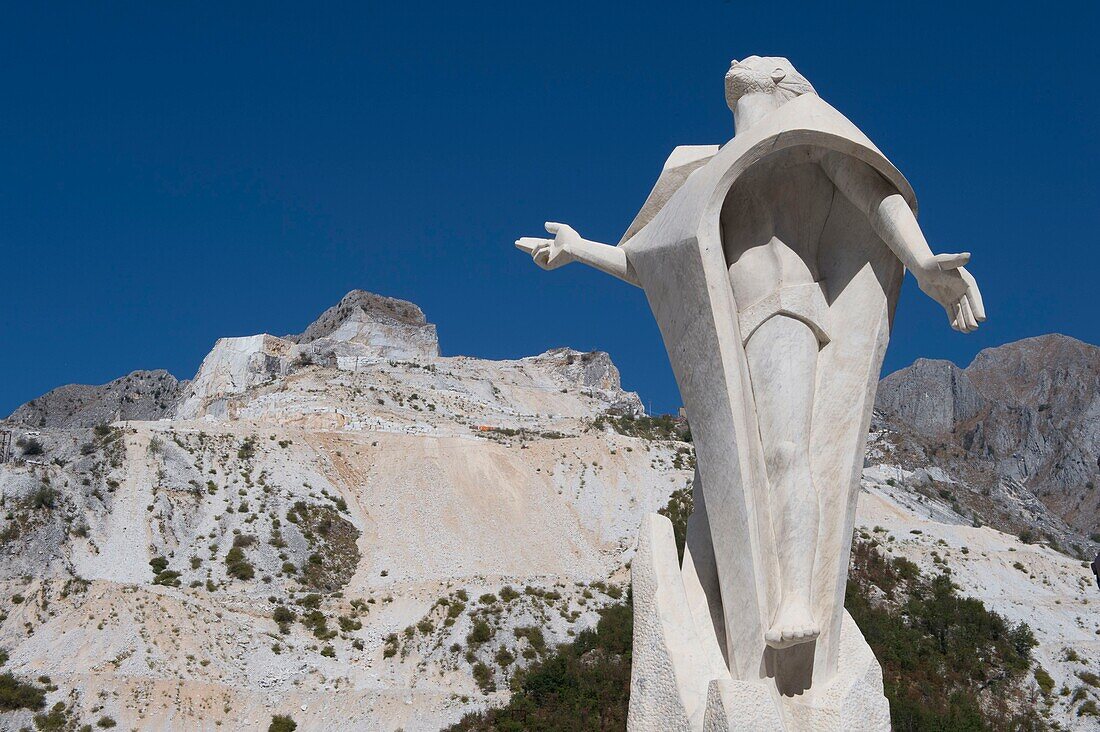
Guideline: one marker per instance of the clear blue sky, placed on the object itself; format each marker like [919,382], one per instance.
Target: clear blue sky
[171,173]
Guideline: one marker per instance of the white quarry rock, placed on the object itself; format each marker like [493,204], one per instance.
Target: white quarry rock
[234,366]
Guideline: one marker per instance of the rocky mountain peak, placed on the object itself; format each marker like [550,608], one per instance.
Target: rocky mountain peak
[143,395]
[362,307]
[1038,371]
[366,325]
[1023,414]
[930,397]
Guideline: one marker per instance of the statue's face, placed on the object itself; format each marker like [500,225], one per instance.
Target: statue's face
[763,75]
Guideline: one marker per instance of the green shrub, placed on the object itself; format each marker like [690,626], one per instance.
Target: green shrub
[679,508]
[243,540]
[283,614]
[16,694]
[315,620]
[504,657]
[282,723]
[55,720]
[1043,679]
[168,578]
[43,497]
[483,675]
[237,565]
[480,633]
[534,636]
[30,446]
[247,449]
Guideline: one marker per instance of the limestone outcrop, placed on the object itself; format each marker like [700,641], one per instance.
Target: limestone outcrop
[234,366]
[139,395]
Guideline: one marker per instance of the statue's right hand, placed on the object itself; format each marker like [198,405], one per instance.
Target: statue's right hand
[551,253]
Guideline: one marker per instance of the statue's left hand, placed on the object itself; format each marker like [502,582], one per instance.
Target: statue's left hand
[947,282]
[551,253]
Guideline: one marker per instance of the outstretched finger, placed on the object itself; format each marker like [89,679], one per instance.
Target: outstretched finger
[951,261]
[530,243]
[960,318]
[974,295]
[974,313]
[971,324]
[953,316]
[553,227]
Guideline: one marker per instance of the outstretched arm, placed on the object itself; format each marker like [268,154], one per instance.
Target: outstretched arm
[568,246]
[940,276]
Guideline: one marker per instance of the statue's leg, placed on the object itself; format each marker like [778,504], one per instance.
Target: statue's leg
[782,360]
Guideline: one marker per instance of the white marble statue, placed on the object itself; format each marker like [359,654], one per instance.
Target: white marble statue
[772,265]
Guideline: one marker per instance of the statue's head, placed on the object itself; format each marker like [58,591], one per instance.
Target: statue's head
[764,75]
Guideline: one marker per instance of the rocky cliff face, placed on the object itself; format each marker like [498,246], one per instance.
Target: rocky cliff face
[1022,423]
[142,395]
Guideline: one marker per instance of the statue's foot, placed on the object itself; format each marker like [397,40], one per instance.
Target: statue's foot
[794,624]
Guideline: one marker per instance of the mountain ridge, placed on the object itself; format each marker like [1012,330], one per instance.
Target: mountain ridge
[334,533]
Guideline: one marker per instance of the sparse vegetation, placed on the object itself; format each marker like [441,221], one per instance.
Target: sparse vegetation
[332,539]
[30,446]
[660,427]
[389,646]
[948,662]
[236,563]
[43,497]
[481,633]
[678,510]
[1043,679]
[584,685]
[247,450]
[58,719]
[483,675]
[16,694]
[282,723]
